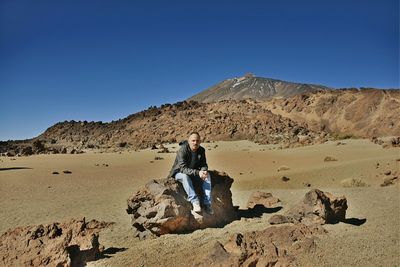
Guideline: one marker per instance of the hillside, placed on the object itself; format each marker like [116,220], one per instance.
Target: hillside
[228,120]
[258,88]
[348,112]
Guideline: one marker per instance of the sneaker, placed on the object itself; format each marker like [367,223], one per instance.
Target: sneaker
[209,209]
[196,207]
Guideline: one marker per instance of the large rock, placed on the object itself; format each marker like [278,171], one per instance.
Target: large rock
[160,207]
[317,207]
[71,243]
[274,246]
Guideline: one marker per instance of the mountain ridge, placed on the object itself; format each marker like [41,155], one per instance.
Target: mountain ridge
[250,86]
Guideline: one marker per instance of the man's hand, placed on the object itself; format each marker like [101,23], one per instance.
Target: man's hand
[203,174]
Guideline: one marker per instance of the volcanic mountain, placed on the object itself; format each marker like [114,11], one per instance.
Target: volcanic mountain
[312,114]
[258,88]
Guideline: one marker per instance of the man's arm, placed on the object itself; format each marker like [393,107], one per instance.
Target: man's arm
[183,164]
[203,163]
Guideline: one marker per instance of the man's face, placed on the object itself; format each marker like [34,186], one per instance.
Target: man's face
[194,142]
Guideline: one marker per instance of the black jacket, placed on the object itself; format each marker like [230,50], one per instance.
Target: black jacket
[184,158]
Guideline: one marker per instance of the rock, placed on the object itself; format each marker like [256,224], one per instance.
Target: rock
[55,172]
[38,146]
[67,172]
[317,207]
[353,182]
[26,151]
[329,158]
[390,181]
[285,178]
[283,168]
[387,172]
[273,246]
[395,141]
[160,207]
[163,149]
[10,153]
[71,243]
[153,147]
[158,158]
[263,199]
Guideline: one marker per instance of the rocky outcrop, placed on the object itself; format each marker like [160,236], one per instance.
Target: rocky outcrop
[317,207]
[262,199]
[274,246]
[393,142]
[71,243]
[344,113]
[160,207]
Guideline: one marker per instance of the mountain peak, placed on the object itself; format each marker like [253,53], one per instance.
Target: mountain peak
[250,86]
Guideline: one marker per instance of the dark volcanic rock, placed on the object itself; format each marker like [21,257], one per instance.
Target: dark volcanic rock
[161,207]
[38,146]
[317,207]
[71,243]
[274,246]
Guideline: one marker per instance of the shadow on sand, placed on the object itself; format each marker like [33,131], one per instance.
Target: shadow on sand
[355,221]
[111,251]
[14,168]
[257,211]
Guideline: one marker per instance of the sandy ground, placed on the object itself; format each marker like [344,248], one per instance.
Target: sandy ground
[31,194]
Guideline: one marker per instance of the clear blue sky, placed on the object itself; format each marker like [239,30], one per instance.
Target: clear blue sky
[103,60]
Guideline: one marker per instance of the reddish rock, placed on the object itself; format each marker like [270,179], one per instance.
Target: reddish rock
[161,207]
[71,243]
[263,199]
[317,207]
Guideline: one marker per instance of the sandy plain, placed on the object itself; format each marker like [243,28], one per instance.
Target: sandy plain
[100,183]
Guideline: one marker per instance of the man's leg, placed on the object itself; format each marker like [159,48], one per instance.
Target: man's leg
[207,191]
[186,181]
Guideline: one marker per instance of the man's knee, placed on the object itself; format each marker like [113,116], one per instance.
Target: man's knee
[182,177]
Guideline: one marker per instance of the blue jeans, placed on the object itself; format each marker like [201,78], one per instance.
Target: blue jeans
[186,181]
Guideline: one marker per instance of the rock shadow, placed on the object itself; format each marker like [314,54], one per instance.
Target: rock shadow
[355,221]
[106,254]
[14,168]
[256,212]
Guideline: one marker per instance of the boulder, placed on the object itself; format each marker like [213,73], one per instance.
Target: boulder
[262,199]
[71,243]
[317,207]
[160,207]
[273,246]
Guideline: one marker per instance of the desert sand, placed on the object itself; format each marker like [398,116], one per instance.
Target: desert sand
[100,183]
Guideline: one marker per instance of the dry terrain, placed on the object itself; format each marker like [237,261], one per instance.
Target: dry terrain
[99,184]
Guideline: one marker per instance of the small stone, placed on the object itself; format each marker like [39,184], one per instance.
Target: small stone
[329,158]
[285,178]
[283,168]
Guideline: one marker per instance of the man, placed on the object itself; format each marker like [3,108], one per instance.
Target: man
[191,165]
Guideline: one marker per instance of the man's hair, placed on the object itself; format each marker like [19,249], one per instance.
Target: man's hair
[195,133]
